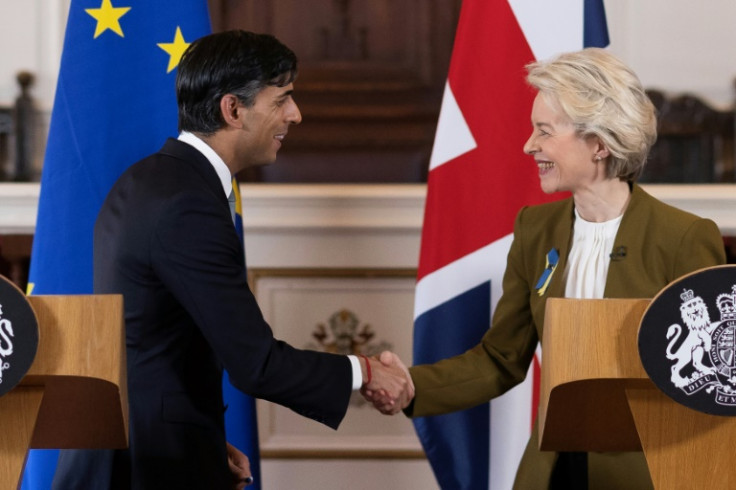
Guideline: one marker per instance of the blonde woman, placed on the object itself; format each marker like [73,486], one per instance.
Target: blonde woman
[592,127]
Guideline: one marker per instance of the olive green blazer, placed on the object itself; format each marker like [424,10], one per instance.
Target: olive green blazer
[661,243]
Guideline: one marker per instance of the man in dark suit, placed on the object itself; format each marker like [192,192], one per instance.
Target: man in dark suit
[165,239]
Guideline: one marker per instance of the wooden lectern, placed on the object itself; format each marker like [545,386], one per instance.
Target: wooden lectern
[74,394]
[596,396]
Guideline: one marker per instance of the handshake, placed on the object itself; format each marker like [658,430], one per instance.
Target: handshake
[387,383]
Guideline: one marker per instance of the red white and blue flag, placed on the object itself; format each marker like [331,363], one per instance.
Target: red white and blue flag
[479,178]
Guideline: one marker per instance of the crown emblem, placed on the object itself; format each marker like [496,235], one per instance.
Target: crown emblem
[687,295]
[727,305]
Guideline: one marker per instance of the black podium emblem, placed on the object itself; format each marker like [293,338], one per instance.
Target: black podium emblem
[687,340]
[18,335]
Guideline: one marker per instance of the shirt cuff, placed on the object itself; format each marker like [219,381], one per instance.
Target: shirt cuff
[357,372]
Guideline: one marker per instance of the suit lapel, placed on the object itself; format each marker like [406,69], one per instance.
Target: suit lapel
[198,163]
[627,237]
[561,238]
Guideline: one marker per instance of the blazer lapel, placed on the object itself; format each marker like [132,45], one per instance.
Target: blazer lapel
[561,238]
[627,239]
[203,169]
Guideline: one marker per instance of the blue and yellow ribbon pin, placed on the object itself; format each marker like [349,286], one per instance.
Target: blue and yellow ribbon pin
[552,258]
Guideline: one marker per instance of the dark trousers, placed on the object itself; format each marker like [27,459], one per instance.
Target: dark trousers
[570,472]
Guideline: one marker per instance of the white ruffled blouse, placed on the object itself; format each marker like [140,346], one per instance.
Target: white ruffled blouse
[587,264]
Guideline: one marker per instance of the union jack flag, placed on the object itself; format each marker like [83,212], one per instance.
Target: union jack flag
[479,178]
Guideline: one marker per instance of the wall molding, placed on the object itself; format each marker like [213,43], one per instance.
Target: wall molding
[305,225]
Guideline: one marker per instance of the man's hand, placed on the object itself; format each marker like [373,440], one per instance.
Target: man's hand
[239,467]
[391,388]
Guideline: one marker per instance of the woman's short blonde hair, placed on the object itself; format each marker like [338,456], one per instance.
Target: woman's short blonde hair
[603,97]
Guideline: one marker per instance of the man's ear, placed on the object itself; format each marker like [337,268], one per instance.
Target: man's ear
[229,108]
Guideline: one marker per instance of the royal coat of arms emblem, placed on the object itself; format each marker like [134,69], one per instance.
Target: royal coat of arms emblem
[689,349]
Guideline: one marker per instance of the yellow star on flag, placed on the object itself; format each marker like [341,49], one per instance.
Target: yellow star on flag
[108,17]
[175,49]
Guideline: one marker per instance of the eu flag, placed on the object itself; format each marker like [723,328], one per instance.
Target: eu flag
[115,104]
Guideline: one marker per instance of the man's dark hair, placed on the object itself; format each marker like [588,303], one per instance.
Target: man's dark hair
[233,62]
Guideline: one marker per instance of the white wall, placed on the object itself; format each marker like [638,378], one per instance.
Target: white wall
[31,38]
[678,45]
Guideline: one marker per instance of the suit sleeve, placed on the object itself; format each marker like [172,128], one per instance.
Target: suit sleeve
[196,253]
[498,363]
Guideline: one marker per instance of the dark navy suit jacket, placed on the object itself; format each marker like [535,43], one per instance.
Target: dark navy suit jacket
[164,239]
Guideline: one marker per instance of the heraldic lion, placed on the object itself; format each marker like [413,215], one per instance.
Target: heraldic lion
[694,313]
